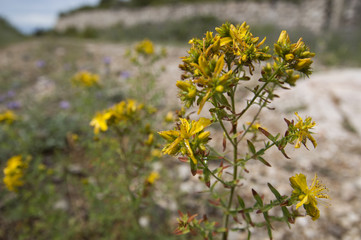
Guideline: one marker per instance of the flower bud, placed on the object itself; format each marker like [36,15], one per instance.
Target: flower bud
[283,38]
[289,57]
[192,93]
[307,54]
[303,63]
[268,67]
[183,85]
[204,135]
[220,88]
[169,117]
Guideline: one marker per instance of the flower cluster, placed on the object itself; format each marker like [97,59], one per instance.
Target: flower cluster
[307,195]
[145,47]
[291,57]
[85,79]
[296,55]
[14,172]
[301,131]
[8,117]
[120,113]
[187,139]
[204,68]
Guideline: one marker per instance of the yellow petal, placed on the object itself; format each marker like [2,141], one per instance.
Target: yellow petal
[204,99]
[169,135]
[171,149]
[304,200]
[190,152]
[225,40]
[219,66]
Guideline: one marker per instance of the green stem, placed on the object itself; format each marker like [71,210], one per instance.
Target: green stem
[258,93]
[225,130]
[235,169]
[215,176]
[254,118]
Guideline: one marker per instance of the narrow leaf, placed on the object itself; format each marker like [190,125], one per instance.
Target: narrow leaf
[262,160]
[251,147]
[274,191]
[257,197]
[266,133]
[241,202]
[224,142]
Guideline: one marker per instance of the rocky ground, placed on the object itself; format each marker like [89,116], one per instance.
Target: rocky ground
[332,97]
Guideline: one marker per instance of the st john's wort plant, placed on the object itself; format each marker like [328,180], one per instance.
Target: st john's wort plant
[215,67]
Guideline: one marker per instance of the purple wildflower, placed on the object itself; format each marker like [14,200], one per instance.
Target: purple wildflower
[13,105]
[107,60]
[64,104]
[40,64]
[11,93]
[125,74]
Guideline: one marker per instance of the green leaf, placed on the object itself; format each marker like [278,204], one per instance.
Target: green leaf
[222,99]
[261,159]
[207,176]
[251,147]
[275,192]
[244,211]
[269,226]
[193,168]
[257,197]
[241,202]
[286,215]
[267,134]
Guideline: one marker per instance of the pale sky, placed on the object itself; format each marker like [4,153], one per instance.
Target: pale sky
[28,15]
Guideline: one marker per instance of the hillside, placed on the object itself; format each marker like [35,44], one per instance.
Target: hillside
[8,33]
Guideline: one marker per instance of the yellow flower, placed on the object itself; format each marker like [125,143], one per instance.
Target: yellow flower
[169,117]
[150,139]
[180,138]
[156,153]
[8,117]
[14,173]
[85,78]
[145,47]
[99,122]
[254,127]
[308,196]
[303,133]
[153,176]
[125,109]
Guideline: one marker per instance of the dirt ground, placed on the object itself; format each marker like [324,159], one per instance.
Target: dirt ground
[332,98]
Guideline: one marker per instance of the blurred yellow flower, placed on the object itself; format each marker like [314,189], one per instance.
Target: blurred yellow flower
[121,112]
[254,127]
[145,47]
[169,117]
[153,176]
[156,153]
[307,196]
[14,173]
[85,78]
[99,122]
[150,139]
[8,117]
